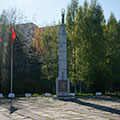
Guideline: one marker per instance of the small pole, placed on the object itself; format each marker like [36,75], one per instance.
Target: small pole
[11,89]
[11,95]
[11,67]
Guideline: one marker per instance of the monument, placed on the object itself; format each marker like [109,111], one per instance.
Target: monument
[62,82]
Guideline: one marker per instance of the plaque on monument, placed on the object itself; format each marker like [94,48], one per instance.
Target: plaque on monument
[62,86]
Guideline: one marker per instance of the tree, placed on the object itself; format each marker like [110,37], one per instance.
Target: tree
[88,39]
[4,62]
[20,63]
[7,19]
[96,46]
[45,42]
[70,24]
[50,58]
[112,51]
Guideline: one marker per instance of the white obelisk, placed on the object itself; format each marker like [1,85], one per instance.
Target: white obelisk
[62,82]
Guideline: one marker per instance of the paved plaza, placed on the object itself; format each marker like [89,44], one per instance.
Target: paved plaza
[48,108]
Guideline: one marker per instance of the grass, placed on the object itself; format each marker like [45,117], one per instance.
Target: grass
[76,94]
[36,95]
[23,95]
[113,94]
[84,94]
[112,119]
[42,95]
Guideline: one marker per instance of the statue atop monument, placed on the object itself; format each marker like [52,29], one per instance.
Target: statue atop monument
[63,15]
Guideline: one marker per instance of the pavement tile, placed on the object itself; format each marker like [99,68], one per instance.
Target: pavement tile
[43,108]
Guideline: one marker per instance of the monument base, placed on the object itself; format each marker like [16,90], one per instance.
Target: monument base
[63,89]
[65,96]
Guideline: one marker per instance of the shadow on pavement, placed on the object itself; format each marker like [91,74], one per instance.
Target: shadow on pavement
[12,109]
[9,104]
[96,106]
[105,98]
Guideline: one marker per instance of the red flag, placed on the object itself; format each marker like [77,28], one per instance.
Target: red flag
[13,35]
[0,39]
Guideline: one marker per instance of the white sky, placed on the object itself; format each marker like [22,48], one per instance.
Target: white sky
[44,12]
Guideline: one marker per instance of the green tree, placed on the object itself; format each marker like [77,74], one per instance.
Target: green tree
[70,24]
[96,46]
[46,44]
[7,19]
[88,51]
[4,55]
[112,51]
[50,60]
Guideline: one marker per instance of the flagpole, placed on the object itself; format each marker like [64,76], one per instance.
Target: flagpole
[11,89]
[11,67]
[11,94]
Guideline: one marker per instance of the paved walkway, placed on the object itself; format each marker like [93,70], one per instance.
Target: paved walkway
[42,108]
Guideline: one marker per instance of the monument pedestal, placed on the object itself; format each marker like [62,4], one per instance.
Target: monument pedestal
[62,86]
[63,89]
[66,96]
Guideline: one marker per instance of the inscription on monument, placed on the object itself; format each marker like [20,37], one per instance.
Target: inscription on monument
[62,86]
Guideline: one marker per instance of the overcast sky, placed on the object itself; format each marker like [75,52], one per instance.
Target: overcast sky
[44,12]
